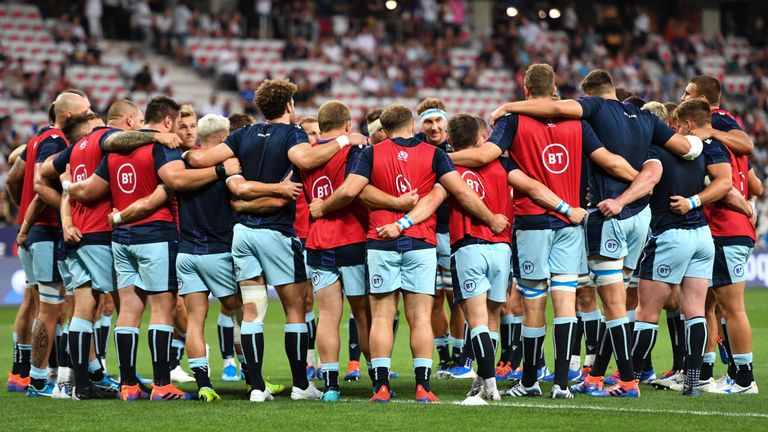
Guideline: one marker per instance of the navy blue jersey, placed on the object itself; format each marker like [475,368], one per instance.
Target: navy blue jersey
[263,153]
[49,146]
[723,121]
[205,219]
[628,131]
[683,178]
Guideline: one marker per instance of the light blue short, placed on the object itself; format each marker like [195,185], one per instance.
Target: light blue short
[479,269]
[444,251]
[538,254]
[44,262]
[66,275]
[214,273]
[678,253]
[730,264]
[150,266]
[91,264]
[26,263]
[269,253]
[614,238]
[412,271]
[352,278]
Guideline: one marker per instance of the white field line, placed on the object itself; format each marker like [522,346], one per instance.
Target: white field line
[598,408]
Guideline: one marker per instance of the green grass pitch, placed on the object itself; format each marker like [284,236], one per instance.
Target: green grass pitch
[655,410]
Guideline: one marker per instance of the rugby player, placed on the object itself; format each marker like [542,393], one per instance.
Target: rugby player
[144,251]
[734,235]
[613,244]
[680,250]
[264,247]
[398,165]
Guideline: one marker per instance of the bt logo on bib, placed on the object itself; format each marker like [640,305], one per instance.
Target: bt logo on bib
[322,188]
[474,183]
[79,173]
[555,158]
[402,184]
[126,178]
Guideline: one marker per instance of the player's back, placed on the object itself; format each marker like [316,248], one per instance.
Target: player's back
[85,157]
[401,165]
[680,177]
[625,130]
[263,153]
[49,216]
[490,183]
[344,226]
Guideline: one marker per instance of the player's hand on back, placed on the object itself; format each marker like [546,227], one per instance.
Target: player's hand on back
[289,189]
[609,207]
[501,222]
[407,201]
[577,215]
[168,139]
[316,208]
[72,235]
[679,205]
[357,139]
[111,218]
[703,132]
[389,231]
[497,114]
[21,238]
[232,166]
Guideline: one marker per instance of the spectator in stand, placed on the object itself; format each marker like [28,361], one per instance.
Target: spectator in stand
[247,98]
[163,27]
[143,80]
[93,13]
[130,65]
[227,67]
[182,17]
[213,106]
[141,21]
[161,81]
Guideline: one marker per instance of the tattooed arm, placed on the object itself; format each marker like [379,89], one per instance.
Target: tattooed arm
[129,140]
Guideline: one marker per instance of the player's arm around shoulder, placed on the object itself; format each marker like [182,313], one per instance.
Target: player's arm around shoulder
[264,205]
[307,157]
[471,202]
[341,197]
[424,208]
[141,208]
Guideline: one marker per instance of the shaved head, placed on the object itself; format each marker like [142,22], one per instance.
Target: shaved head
[126,115]
[68,104]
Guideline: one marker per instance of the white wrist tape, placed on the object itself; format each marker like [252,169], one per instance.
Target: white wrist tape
[694,201]
[696,147]
[117,218]
[233,177]
[405,222]
[563,208]
[343,141]
[65,186]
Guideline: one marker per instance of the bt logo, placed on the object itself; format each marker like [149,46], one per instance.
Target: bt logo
[126,178]
[555,158]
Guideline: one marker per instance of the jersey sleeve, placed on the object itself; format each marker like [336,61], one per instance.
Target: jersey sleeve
[441,163]
[354,153]
[590,105]
[654,153]
[104,137]
[233,141]
[363,163]
[61,161]
[295,137]
[508,164]
[589,140]
[163,155]
[504,131]
[715,152]
[50,146]
[725,123]
[103,169]
[661,132]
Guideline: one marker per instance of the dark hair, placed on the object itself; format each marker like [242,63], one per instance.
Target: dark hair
[635,100]
[539,79]
[373,115]
[429,103]
[695,110]
[707,86]
[272,96]
[396,117]
[482,125]
[160,107]
[623,94]
[597,82]
[333,115]
[73,126]
[238,120]
[462,131]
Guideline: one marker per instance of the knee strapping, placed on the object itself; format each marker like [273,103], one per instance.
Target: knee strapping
[564,282]
[50,294]
[607,272]
[532,289]
[586,281]
[256,294]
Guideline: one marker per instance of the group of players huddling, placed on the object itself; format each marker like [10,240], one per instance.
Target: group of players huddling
[646,205]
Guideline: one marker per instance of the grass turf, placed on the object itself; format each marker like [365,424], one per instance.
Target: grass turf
[654,410]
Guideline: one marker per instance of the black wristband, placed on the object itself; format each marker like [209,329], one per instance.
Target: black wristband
[221,172]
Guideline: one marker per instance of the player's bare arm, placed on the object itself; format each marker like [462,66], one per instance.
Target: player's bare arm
[754,185]
[94,187]
[613,164]
[35,209]
[264,205]
[15,180]
[307,157]
[71,233]
[340,198]
[540,107]
[129,140]
[142,208]
[375,198]
[718,187]
[472,203]
[178,178]
[47,169]
[247,190]
[736,140]
[476,156]
[43,188]
[734,200]
[425,208]
[641,186]
[204,158]
[543,195]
